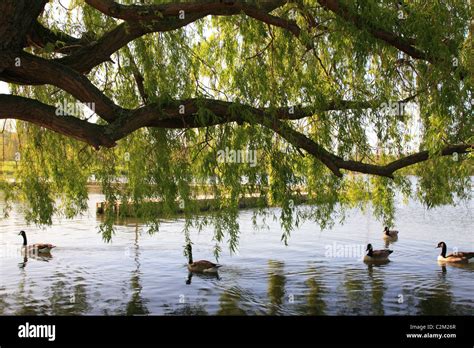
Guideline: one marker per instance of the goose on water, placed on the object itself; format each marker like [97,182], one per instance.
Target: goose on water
[390,234]
[37,248]
[201,266]
[376,255]
[456,257]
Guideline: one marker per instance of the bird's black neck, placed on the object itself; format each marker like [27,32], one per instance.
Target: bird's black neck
[443,250]
[24,239]
[370,252]
[190,257]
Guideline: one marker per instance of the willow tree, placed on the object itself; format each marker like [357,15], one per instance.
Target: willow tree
[340,100]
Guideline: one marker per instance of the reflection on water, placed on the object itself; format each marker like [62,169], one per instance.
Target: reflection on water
[229,303]
[140,274]
[45,257]
[439,299]
[276,286]
[136,305]
[315,304]
[189,280]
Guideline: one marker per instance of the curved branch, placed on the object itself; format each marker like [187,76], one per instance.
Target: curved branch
[157,12]
[38,70]
[424,155]
[169,117]
[161,18]
[44,115]
[97,52]
[144,19]
[41,36]
[403,44]
[184,114]
[301,141]
[336,163]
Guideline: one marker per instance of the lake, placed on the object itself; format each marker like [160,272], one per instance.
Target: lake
[318,273]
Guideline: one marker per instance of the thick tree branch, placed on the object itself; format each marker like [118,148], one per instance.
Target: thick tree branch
[97,52]
[160,18]
[424,155]
[403,44]
[66,74]
[390,168]
[19,17]
[184,113]
[38,70]
[43,115]
[157,12]
[336,163]
[301,141]
[169,116]
[41,36]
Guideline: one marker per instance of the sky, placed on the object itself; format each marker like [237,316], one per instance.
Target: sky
[4,88]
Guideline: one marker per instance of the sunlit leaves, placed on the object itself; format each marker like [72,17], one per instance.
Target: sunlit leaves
[156,173]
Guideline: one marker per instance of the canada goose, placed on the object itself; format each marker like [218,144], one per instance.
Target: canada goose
[457,257]
[390,234]
[203,266]
[40,248]
[376,255]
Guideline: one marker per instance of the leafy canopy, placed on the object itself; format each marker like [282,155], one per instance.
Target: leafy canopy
[252,64]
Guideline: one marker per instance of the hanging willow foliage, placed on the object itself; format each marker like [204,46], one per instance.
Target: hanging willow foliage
[330,102]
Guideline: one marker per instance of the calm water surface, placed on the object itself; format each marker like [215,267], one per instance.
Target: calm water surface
[140,273]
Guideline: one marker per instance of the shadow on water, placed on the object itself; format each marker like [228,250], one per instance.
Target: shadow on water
[67,300]
[189,309]
[24,297]
[57,299]
[390,241]
[355,288]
